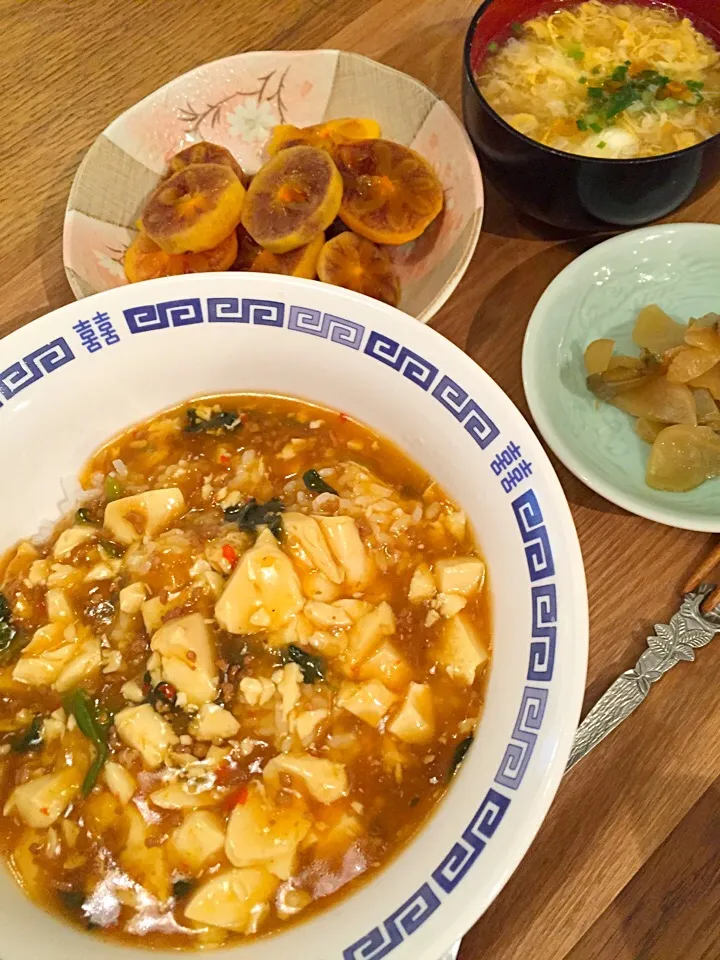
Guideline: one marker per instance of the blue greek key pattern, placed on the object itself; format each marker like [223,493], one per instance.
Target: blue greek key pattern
[399,925]
[411,365]
[524,736]
[34,366]
[544,632]
[176,313]
[326,325]
[465,852]
[537,543]
[465,410]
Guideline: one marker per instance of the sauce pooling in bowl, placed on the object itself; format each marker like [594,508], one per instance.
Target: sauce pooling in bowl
[239,677]
[607,80]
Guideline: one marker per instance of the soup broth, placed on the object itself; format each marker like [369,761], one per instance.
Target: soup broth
[238,677]
[608,80]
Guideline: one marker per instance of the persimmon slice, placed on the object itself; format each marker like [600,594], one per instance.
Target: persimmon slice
[324,136]
[292,199]
[358,264]
[145,260]
[301,262]
[247,250]
[205,152]
[390,193]
[217,258]
[194,209]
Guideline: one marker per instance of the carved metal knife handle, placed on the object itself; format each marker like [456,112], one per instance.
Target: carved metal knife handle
[670,643]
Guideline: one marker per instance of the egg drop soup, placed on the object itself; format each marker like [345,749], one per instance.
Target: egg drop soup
[606,80]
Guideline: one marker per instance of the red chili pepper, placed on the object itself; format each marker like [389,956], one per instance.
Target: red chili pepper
[343,417]
[223,772]
[238,798]
[166,691]
[230,554]
[224,458]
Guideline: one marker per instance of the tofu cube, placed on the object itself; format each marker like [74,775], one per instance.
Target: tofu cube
[233,900]
[422,585]
[213,722]
[415,720]
[324,780]
[387,666]
[369,701]
[461,650]
[199,839]
[461,575]
[147,732]
[261,834]
[188,656]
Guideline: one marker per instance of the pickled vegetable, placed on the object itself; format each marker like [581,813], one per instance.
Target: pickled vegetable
[673,389]
[656,332]
[682,457]
[658,399]
[598,355]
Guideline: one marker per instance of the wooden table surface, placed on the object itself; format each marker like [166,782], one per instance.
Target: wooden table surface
[626,864]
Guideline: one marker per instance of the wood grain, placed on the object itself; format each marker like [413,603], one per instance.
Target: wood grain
[625,866]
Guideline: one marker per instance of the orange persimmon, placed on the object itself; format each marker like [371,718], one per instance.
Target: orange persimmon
[205,152]
[358,264]
[145,260]
[390,193]
[194,209]
[325,135]
[292,199]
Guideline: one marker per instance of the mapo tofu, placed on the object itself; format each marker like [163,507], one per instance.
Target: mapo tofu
[237,678]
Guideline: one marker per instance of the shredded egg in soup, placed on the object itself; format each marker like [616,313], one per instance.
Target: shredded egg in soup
[609,80]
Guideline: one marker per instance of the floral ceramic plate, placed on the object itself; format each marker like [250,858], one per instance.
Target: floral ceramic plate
[676,266]
[236,102]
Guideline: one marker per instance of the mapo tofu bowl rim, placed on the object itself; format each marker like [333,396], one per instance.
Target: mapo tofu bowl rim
[423,393]
[468,58]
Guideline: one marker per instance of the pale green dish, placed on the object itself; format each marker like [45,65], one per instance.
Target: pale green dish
[676,266]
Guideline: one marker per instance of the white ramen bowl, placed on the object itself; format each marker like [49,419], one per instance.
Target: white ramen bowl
[72,379]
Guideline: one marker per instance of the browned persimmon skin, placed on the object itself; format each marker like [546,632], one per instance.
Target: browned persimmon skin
[358,264]
[301,262]
[194,209]
[205,152]
[391,194]
[218,258]
[247,251]
[145,260]
[325,135]
[292,199]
